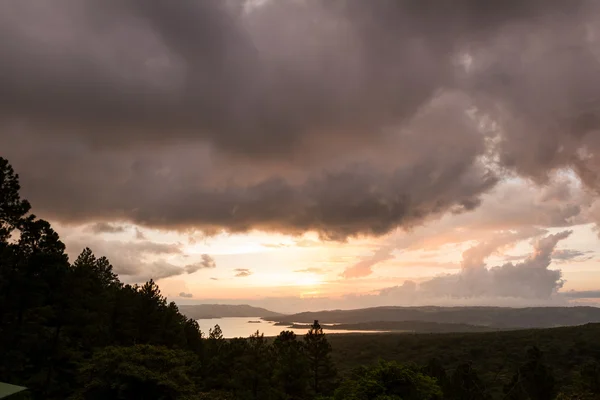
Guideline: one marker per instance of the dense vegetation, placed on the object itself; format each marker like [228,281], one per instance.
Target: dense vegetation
[74,331]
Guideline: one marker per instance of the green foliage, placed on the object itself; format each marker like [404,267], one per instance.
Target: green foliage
[388,381]
[137,372]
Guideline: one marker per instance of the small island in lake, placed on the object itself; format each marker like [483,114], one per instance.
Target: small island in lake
[254,322]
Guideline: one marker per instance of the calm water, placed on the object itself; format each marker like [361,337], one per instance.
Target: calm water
[239,327]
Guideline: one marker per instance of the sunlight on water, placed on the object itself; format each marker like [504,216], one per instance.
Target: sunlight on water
[241,327]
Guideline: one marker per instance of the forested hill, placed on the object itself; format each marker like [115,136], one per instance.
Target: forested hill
[206,311]
[493,317]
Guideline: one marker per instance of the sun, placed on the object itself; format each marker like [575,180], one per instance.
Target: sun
[308,281]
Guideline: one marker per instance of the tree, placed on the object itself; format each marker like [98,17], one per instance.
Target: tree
[388,381]
[217,366]
[151,306]
[465,384]
[54,315]
[12,208]
[318,354]
[533,380]
[590,377]
[253,369]
[435,369]
[33,271]
[291,366]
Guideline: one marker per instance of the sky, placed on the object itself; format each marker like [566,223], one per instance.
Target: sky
[303,155]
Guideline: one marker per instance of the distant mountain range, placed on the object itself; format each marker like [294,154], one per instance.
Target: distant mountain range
[413,319]
[489,317]
[398,326]
[208,311]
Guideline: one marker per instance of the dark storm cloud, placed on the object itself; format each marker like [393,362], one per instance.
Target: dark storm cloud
[346,117]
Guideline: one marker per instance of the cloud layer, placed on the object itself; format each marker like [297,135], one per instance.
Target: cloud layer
[529,279]
[220,115]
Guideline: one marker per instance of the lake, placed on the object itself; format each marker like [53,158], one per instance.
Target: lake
[240,327]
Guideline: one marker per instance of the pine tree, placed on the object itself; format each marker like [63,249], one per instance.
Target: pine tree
[255,367]
[291,366]
[318,353]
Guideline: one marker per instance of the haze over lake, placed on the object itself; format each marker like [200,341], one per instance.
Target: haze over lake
[241,327]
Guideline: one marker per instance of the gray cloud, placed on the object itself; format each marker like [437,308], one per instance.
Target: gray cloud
[135,261]
[186,295]
[388,114]
[582,294]
[242,272]
[206,262]
[559,256]
[570,255]
[139,235]
[105,227]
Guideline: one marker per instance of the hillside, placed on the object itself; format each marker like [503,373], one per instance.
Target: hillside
[493,317]
[207,311]
[401,326]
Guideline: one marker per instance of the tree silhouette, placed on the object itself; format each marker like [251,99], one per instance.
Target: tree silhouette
[291,366]
[318,354]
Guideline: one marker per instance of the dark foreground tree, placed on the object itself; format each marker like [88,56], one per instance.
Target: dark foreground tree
[253,370]
[54,316]
[318,355]
[290,372]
